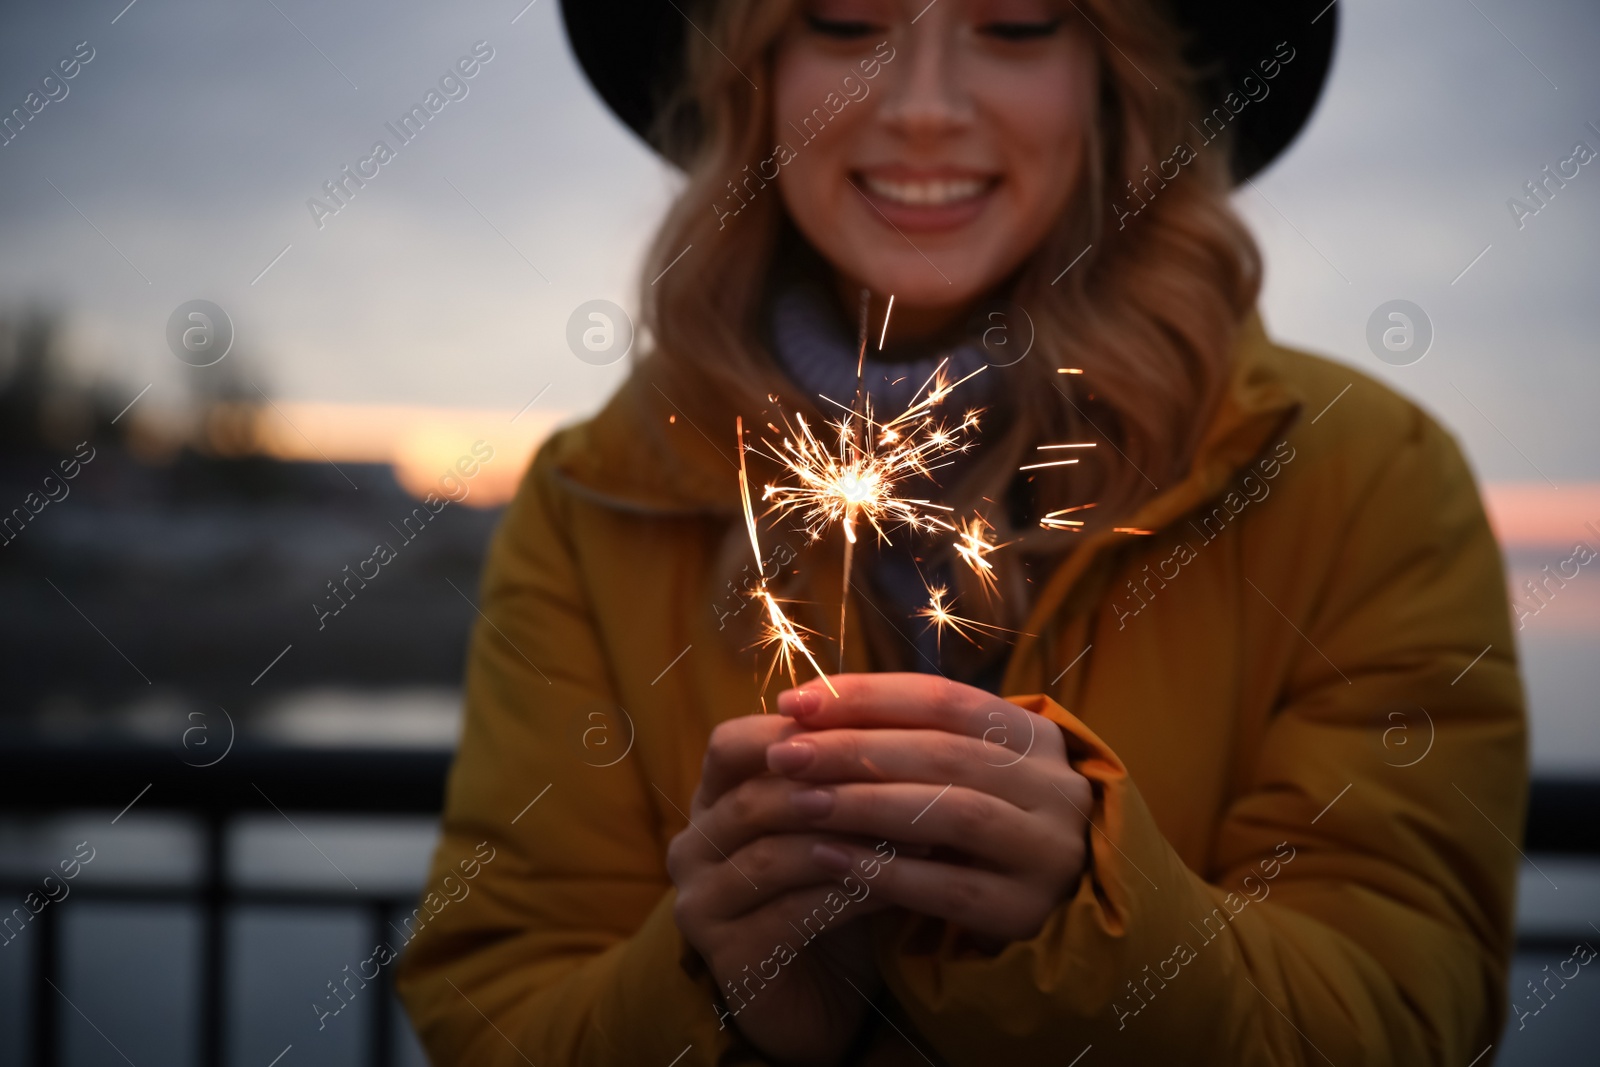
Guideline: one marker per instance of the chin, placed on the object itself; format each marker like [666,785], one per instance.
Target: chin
[916,284]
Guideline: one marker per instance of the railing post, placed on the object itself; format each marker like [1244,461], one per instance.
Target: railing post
[213,935]
[47,979]
[380,1017]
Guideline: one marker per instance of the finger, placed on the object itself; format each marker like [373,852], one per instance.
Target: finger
[750,810]
[927,700]
[765,870]
[736,750]
[992,831]
[924,701]
[928,756]
[981,901]
[755,808]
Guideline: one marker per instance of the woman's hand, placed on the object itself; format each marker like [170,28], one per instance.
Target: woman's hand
[765,916]
[919,759]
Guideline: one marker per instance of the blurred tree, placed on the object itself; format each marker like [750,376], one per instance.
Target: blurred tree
[27,376]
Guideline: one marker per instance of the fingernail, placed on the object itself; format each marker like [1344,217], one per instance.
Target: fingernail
[798,703]
[813,803]
[786,757]
[835,859]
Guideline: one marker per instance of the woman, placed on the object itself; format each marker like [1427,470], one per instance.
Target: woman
[1225,774]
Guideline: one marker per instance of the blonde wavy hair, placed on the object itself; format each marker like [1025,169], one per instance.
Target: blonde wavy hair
[1149,313]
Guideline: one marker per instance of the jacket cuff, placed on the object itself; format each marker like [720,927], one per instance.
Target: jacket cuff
[1057,987]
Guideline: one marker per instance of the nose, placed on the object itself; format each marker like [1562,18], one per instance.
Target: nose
[928,96]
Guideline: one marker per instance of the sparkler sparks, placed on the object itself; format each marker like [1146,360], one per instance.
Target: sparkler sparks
[854,472]
[784,636]
[973,546]
[1054,521]
[1055,462]
[780,632]
[860,478]
[941,618]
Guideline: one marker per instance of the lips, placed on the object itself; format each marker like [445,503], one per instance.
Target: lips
[927,201]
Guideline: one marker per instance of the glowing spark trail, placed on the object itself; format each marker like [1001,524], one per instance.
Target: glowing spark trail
[973,546]
[1055,462]
[941,618]
[780,631]
[1054,521]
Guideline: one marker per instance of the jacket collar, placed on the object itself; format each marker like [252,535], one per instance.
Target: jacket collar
[1258,406]
[642,454]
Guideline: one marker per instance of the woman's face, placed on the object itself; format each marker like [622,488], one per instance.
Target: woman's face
[931,145]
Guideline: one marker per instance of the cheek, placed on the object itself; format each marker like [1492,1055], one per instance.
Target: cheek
[801,187]
[813,184]
[1042,124]
[801,81]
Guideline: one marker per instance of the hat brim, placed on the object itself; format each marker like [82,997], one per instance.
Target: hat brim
[632,52]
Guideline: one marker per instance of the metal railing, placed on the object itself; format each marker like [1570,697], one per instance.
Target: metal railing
[1564,818]
[42,779]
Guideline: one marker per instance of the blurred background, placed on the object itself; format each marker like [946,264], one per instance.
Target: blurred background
[253,757]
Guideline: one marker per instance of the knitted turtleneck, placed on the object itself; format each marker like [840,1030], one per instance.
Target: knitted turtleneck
[816,348]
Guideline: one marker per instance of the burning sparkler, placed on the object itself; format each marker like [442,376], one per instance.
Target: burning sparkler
[854,472]
[860,478]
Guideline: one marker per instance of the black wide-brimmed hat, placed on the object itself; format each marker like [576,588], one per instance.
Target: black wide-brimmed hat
[633,52]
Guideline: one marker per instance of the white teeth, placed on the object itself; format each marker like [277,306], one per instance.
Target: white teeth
[926,193]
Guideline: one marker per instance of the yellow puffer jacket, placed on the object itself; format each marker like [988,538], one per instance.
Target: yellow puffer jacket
[1298,703]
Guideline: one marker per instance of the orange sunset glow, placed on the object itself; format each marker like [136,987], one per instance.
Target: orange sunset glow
[423,442]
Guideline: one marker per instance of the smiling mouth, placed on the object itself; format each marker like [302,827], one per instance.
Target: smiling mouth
[927,192]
